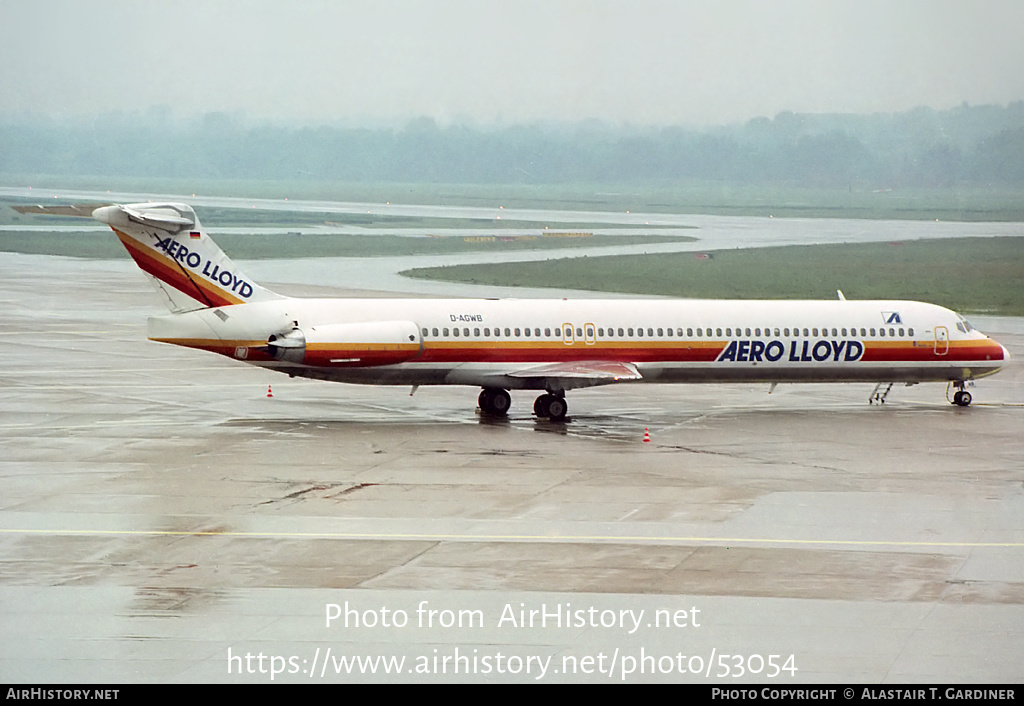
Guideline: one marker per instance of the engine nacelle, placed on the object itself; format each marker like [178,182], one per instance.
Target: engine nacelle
[348,345]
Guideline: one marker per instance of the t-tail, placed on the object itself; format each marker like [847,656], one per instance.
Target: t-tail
[167,241]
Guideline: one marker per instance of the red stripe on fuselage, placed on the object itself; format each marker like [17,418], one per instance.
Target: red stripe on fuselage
[558,353]
[924,351]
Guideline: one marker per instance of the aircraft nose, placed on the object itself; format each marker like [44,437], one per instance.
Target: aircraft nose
[1006,354]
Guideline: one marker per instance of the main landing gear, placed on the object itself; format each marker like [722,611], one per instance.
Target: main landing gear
[496,402]
[551,406]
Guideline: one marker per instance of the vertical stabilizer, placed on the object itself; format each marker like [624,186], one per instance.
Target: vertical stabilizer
[167,241]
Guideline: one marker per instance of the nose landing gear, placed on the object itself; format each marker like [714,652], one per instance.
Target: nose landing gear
[961,397]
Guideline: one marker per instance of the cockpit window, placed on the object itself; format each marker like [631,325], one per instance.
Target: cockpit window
[967,328]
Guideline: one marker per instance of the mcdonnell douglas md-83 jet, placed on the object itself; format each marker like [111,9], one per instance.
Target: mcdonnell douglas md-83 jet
[551,346]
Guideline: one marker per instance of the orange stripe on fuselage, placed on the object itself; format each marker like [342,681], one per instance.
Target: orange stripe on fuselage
[255,351]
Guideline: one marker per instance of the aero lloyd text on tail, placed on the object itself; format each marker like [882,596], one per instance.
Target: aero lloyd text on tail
[168,242]
[549,346]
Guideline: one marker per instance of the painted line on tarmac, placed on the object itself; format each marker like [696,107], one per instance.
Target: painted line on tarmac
[546,538]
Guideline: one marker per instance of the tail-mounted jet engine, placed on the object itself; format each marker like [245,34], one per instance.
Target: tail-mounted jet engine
[334,345]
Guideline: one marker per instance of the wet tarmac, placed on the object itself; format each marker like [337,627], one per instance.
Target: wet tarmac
[163,519]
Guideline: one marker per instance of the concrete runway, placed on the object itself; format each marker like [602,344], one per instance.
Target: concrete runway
[163,520]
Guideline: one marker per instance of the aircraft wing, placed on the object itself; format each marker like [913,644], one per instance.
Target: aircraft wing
[583,373]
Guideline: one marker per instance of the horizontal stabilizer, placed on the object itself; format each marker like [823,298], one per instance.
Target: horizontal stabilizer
[79,210]
[165,218]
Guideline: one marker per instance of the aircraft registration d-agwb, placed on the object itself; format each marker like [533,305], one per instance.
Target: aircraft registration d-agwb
[549,345]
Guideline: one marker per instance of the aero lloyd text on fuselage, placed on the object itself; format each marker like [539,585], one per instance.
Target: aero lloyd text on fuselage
[754,351]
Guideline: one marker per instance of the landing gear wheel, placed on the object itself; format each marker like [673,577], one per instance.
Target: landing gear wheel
[494,401]
[962,398]
[550,406]
[540,406]
[557,409]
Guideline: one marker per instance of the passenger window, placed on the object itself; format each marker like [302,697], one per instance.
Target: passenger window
[910,332]
[547,333]
[487,331]
[434,331]
[424,332]
[881,332]
[518,334]
[668,331]
[476,332]
[630,332]
[527,332]
[579,333]
[689,332]
[901,333]
[728,332]
[446,333]
[718,332]
[620,333]
[455,332]
[465,332]
[640,332]
[661,332]
[508,333]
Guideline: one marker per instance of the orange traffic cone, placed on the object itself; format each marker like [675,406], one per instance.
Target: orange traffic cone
[269,393]
[647,436]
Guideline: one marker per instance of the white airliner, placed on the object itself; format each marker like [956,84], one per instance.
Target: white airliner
[547,345]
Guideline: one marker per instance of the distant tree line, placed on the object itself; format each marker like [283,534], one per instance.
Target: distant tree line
[981,145]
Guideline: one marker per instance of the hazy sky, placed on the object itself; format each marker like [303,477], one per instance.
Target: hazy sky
[495,61]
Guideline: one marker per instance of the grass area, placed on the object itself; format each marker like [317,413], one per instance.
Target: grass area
[856,200]
[980,275]
[103,245]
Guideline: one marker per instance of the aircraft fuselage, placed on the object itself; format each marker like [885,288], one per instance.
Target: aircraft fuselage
[486,342]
